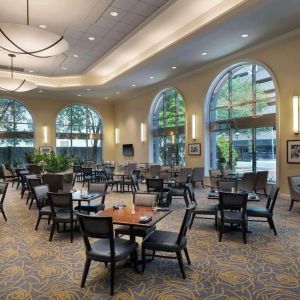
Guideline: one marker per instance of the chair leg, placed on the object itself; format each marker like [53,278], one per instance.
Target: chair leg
[3,214]
[186,200]
[72,225]
[31,202]
[272,225]
[29,194]
[192,221]
[244,231]
[49,219]
[265,191]
[143,258]
[220,232]
[153,254]
[38,222]
[85,271]
[112,277]
[52,231]
[292,203]
[187,255]
[202,183]
[180,261]
[135,261]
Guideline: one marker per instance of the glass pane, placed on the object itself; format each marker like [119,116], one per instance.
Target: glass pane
[219,149]
[265,88]
[24,127]
[22,115]
[264,107]
[242,84]
[220,95]
[219,114]
[180,105]
[64,117]
[170,103]
[159,108]
[266,151]
[6,111]
[242,111]
[242,150]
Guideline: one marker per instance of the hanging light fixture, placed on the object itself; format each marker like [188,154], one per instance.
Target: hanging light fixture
[26,39]
[13,84]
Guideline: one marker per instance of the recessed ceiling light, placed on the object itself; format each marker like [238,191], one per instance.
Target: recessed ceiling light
[174,67]
[75,55]
[118,93]
[244,35]
[88,90]
[79,95]
[41,91]
[113,13]
[133,85]
[64,68]
[151,77]
[204,53]
[91,38]
[31,71]
[42,26]
[105,98]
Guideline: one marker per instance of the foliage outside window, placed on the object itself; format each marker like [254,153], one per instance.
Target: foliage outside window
[16,132]
[79,133]
[242,118]
[168,119]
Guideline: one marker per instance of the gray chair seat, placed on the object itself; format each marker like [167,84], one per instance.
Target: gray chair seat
[231,217]
[46,210]
[206,209]
[64,215]
[164,241]
[137,231]
[258,211]
[100,250]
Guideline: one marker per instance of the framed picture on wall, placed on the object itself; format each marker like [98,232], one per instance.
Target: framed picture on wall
[293,152]
[45,149]
[194,149]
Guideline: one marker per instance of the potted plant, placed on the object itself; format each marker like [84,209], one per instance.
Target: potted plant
[58,174]
[35,160]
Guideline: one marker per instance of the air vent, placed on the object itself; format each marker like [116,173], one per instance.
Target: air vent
[2,67]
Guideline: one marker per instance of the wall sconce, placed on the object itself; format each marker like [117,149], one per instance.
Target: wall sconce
[143,135]
[295,114]
[45,131]
[194,126]
[117,136]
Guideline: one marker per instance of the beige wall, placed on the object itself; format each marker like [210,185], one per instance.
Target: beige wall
[44,112]
[281,57]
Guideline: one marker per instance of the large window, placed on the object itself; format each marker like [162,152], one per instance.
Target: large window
[79,133]
[168,128]
[242,117]
[16,132]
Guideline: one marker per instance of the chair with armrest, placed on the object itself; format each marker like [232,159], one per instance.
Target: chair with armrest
[106,248]
[232,210]
[197,176]
[215,176]
[3,189]
[32,182]
[43,204]
[261,182]
[248,182]
[266,212]
[227,186]
[156,185]
[294,186]
[183,177]
[139,199]
[110,180]
[171,242]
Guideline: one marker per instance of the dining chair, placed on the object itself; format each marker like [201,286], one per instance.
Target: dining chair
[201,211]
[106,248]
[248,182]
[134,183]
[180,192]
[183,177]
[169,241]
[32,182]
[94,206]
[43,204]
[294,187]
[197,176]
[261,182]
[110,179]
[62,212]
[88,175]
[232,210]
[144,200]
[156,185]
[215,176]
[227,186]
[266,212]
[3,189]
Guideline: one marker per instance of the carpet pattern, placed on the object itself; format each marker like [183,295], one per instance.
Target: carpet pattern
[268,267]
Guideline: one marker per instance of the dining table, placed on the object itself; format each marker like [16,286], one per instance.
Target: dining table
[79,196]
[215,195]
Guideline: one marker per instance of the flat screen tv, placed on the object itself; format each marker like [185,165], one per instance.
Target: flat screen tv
[128,150]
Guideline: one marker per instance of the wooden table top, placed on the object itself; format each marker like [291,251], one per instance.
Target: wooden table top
[130,215]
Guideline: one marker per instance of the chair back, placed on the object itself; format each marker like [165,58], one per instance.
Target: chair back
[5,171]
[233,201]
[248,181]
[96,227]
[154,184]
[87,171]
[186,222]
[215,176]
[261,180]
[145,199]
[41,195]
[294,186]
[154,170]
[3,189]
[131,167]
[32,182]
[77,169]
[137,173]
[197,174]
[18,172]
[227,186]
[184,175]
[109,173]
[225,172]
[191,193]
[134,183]
[272,198]
[99,187]
[60,200]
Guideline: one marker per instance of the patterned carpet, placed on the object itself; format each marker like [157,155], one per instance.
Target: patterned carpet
[268,267]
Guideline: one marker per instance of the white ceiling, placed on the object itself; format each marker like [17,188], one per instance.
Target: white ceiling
[219,35]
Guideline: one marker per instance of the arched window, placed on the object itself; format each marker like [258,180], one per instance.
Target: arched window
[79,133]
[242,120]
[16,132]
[168,128]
